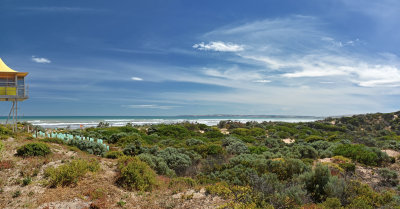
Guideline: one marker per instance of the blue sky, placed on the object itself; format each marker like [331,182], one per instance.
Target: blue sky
[301,57]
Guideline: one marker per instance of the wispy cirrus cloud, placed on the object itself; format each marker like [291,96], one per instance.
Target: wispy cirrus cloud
[297,47]
[219,46]
[40,60]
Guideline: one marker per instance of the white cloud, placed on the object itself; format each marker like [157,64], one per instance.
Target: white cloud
[336,43]
[297,47]
[219,46]
[136,79]
[151,106]
[40,60]
[262,81]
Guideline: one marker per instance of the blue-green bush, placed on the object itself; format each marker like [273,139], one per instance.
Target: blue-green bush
[88,146]
[175,160]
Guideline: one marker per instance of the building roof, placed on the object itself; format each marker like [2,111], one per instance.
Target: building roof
[5,69]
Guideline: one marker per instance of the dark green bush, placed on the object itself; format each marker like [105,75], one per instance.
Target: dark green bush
[241,131]
[1,146]
[130,139]
[135,174]
[175,131]
[213,133]
[257,149]
[362,154]
[214,149]
[4,131]
[314,138]
[33,149]
[71,172]
[192,142]
[133,149]
[348,167]
[114,154]
[114,138]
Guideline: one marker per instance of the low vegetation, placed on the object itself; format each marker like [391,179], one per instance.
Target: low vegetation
[135,174]
[69,173]
[33,149]
[332,163]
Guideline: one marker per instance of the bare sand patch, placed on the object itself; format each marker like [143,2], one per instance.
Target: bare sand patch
[391,153]
[288,140]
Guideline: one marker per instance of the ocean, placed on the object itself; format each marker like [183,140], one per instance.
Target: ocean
[74,122]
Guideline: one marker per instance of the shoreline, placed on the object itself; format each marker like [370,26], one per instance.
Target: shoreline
[75,122]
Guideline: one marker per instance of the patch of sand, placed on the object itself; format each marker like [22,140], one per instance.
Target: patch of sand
[73,204]
[224,131]
[391,153]
[288,141]
[325,160]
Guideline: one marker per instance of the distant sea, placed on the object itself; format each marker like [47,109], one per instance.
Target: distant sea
[74,122]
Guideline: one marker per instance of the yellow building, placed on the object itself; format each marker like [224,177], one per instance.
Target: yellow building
[12,84]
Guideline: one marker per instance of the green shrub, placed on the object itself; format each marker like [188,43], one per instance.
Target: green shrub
[274,143]
[71,172]
[237,175]
[133,149]
[214,149]
[175,131]
[114,154]
[257,132]
[331,203]
[389,177]
[130,139]
[4,131]
[175,160]
[16,194]
[181,183]
[257,149]
[135,174]
[213,133]
[335,188]
[192,142]
[315,182]
[26,181]
[1,146]
[362,154]
[234,145]
[114,138]
[53,140]
[93,148]
[157,163]
[303,151]
[314,138]
[241,131]
[33,149]
[348,167]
